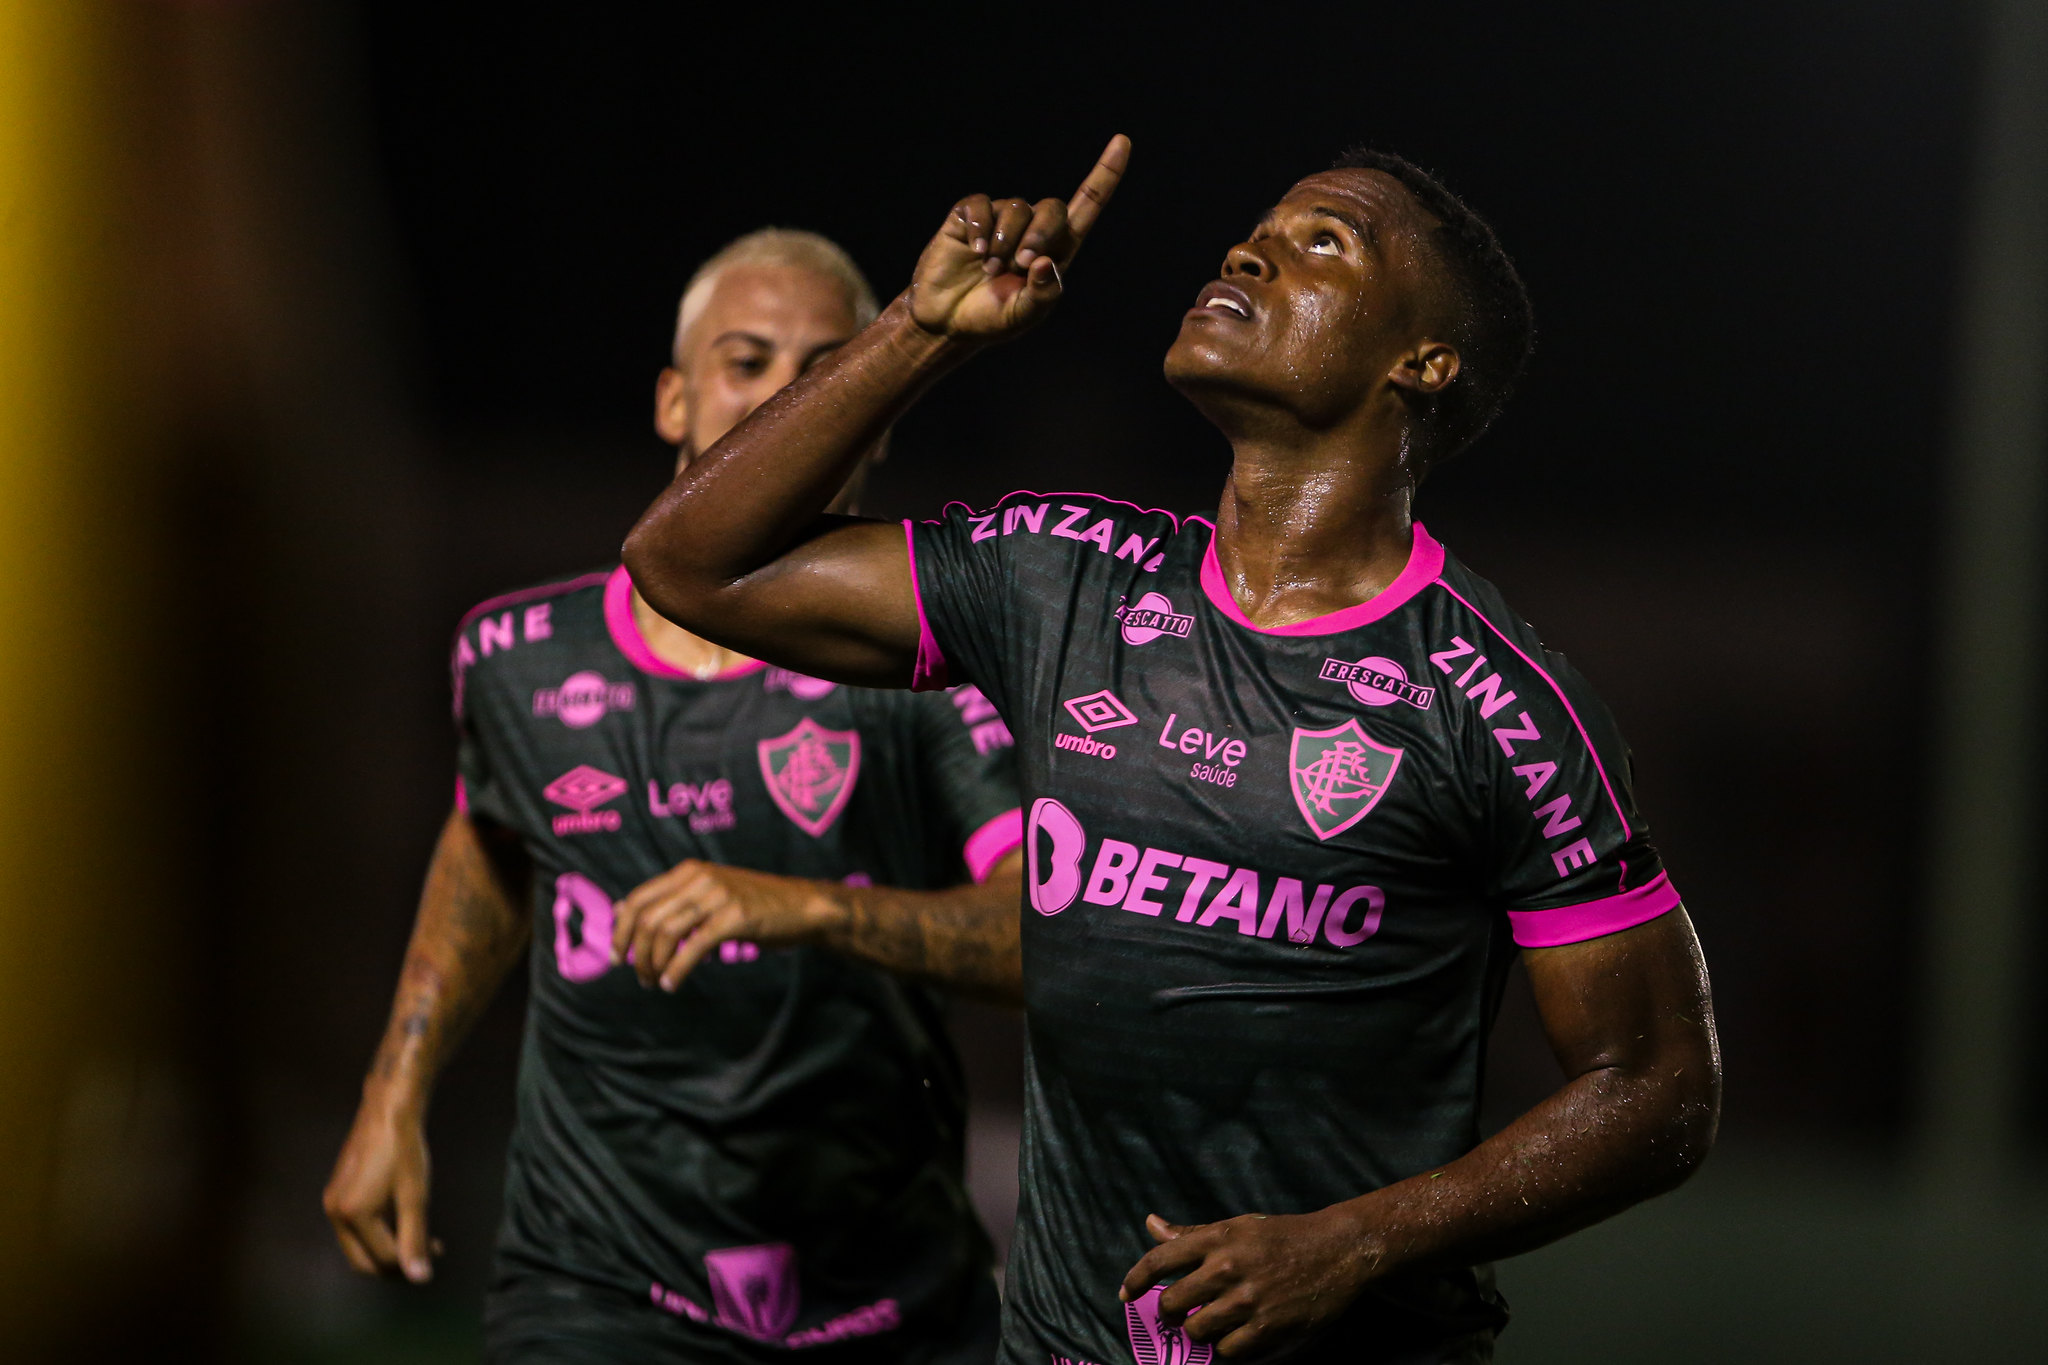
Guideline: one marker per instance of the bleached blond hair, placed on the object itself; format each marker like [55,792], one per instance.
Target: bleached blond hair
[775,246]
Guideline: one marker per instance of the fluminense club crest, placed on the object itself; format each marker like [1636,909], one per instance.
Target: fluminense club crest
[1338,775]
[810,772]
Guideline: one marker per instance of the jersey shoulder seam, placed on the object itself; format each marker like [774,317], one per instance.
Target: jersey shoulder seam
[559,588]
[1585,737]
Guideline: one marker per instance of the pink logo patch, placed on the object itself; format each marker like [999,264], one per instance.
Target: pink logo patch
[1151,618]
[1338,775]
[1154,1343]
[810,772]
[754,1289]
[583,700]
[583,789]
[798,685]
[583,928]
[1377,682]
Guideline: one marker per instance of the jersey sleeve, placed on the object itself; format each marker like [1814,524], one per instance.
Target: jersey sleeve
[1573,860]
[477,789]
[960,580]
[969,762]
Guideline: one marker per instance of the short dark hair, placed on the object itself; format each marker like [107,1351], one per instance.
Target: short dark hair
[1493,326]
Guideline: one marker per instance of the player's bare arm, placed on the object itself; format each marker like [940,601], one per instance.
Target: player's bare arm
[469,933]
[737,549]
[964,937]
[1630,1019]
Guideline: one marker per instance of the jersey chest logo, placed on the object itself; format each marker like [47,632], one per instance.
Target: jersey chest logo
[1338,775]
[810,772]
[1153,1342]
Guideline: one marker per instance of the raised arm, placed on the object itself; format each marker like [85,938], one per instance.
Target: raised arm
[964,937]
[738,550]
[471,929]
[1630,1019]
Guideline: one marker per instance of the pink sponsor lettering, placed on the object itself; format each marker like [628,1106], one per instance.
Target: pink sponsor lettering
[1201,872]
[1110,882]
[1237,902]
[884,1315]
[1098,535]
[1065,527]
[1335,929]
[1124,875]
[1302,923]
[1147,878]
[1032,519]
[540,622]
[669,1301]
[1053,864]
[1505,737]
[1537,775]
[1573,856]
[1557,816]
[1135,548]
[494,633]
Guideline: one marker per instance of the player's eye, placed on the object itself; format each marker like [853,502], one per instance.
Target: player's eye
[748,366]
[1326,244]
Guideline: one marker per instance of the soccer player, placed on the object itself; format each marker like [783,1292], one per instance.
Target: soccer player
[765,1158]
[1300,786]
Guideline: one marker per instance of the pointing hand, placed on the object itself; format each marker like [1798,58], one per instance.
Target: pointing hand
[997,266]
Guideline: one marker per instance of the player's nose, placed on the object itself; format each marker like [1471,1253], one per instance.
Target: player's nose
[1246,261]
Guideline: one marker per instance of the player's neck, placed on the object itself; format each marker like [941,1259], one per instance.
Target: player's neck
[1308,528]
[678,648]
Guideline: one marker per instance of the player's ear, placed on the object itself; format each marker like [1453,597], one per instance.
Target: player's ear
[672,407]
[1426,370]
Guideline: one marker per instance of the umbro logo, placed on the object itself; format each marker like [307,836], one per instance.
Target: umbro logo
[1100,711]
[583,789]
[1094,712]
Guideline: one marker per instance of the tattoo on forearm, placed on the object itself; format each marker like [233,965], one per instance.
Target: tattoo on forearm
[965,937]
[471,929]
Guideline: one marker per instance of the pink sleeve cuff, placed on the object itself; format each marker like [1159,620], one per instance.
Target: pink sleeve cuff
[1594,919]
[461,794]
[992,843]
[928,674]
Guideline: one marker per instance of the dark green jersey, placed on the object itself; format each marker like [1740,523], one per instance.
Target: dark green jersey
[775,1149]
[1276,877]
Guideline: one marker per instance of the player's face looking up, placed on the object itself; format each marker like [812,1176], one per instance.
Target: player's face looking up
[1327,314]
[762,326]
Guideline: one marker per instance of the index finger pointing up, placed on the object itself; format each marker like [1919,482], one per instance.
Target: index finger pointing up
[1093,195]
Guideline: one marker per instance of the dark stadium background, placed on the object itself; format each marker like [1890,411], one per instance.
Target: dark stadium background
[387,287]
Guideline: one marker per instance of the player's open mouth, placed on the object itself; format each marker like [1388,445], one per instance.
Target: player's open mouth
[1225,300]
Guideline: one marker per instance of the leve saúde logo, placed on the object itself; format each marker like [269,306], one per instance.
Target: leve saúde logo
[1338,775]
[810,773]
[583,789]
[1152,617]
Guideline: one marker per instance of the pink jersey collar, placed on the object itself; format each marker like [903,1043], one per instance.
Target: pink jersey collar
[618,618]
[1425,563]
